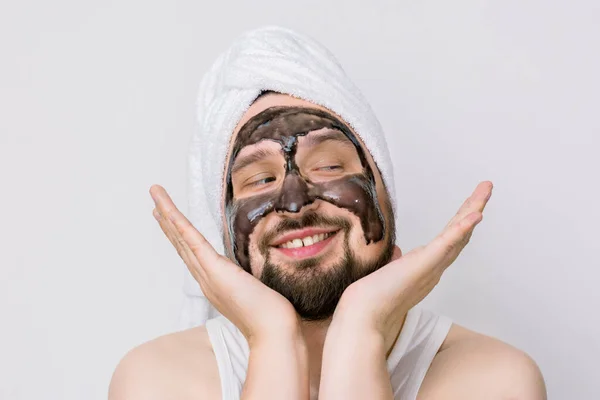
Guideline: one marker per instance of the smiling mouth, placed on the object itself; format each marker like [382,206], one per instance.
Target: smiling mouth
[306,241]
[307,245]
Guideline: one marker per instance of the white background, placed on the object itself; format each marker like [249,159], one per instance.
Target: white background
[97,103]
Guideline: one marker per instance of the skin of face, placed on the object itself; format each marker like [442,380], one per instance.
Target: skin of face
[266,174]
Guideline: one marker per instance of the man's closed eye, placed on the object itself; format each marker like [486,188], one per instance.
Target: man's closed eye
[331,168]
[261,182]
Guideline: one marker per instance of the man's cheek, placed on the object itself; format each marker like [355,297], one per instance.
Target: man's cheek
[257,258]
[356,240]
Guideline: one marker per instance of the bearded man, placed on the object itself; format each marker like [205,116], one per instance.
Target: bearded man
[292,188]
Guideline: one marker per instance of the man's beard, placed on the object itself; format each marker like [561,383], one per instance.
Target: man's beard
[314,291]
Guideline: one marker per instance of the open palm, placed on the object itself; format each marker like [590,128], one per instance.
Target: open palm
[254,308]
[381,299]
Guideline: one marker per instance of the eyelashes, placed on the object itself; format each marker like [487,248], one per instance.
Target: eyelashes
[331,168]
[262,181]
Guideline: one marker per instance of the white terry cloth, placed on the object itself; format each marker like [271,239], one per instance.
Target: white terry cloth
[267,58]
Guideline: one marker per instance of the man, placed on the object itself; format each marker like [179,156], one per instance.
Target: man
[316,299]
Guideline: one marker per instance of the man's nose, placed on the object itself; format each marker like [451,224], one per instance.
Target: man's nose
[294,194]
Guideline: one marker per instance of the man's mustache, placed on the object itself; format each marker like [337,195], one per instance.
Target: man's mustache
[308,219]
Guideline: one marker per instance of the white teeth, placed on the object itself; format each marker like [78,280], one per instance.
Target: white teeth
[307,241]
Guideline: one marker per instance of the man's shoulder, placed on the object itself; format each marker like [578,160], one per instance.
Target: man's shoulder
[470,365]
[179,365]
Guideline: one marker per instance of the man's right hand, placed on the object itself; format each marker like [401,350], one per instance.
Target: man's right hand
[259,312]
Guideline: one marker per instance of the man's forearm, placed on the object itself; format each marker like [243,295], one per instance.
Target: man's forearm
[277,369]
[354,366]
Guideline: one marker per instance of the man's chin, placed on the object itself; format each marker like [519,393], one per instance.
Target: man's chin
[314,291]
[321,262]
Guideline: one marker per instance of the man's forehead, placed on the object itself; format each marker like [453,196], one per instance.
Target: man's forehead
[280,123]
[269,100]
[292,128]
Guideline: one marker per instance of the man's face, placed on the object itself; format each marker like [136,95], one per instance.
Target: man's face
[305,207]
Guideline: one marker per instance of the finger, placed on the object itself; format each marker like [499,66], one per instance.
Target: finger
[197,243]
[476,202]
[184,252]
[178,243]
[444,249]
[211,272]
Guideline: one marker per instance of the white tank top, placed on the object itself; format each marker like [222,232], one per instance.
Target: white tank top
[422,335]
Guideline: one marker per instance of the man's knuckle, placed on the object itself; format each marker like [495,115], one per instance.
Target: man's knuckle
[196,247]
[180,252]
[180,241]
[448,247]
[170,214]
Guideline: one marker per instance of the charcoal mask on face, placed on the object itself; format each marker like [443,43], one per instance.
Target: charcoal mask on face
[285,125]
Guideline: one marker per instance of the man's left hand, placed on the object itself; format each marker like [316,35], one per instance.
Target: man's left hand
[377,304]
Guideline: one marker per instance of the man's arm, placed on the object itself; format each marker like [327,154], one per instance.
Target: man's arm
[277,368]
[273,333]
[354,365]
[376,304]
[472,366]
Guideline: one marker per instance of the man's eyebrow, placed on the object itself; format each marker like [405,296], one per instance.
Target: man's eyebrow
[333,135]
[256,155]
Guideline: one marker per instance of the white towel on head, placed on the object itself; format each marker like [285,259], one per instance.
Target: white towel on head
[267,58]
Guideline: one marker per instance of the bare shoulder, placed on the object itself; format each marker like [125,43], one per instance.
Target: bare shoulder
[470,365]
[179,365]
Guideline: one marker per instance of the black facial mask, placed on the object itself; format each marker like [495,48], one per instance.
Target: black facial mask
[284,125]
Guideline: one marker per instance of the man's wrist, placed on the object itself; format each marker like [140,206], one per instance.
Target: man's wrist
[282,338]
[284,352]
[354,363]
[348,333]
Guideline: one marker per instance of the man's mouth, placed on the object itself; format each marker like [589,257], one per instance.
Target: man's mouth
[305,243]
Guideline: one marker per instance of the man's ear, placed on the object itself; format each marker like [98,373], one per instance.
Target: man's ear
[397,253]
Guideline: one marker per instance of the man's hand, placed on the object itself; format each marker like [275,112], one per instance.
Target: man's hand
[372,309]
[380,300]
[259,312]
